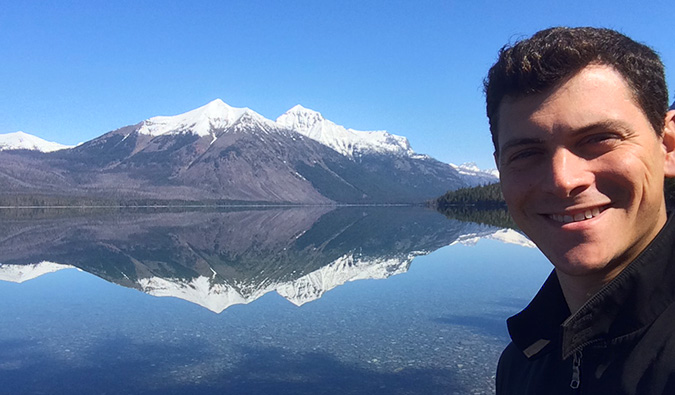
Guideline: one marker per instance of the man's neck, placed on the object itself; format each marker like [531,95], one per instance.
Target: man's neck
[579,290]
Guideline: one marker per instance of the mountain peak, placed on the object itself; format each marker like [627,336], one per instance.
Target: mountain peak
[201,121]
[216,106]
[471,170]
[345,141]
[300,118]
[298,108]
[21,140]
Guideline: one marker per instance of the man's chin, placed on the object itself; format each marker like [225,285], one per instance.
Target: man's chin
[580,263]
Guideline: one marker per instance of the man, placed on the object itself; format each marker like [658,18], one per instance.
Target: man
[583,140]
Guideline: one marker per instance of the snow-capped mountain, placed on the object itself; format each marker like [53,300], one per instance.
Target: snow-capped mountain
[348,142]
[471,169]
[472,173]
[223,153]
[25,141]
[203,121]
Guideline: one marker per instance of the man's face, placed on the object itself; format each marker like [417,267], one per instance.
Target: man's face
[582,172]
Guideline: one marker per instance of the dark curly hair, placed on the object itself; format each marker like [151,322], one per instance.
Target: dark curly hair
[553,55]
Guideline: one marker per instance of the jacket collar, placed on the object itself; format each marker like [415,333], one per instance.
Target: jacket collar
[627,304]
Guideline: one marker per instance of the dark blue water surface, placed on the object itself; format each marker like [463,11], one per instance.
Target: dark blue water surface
[433,325]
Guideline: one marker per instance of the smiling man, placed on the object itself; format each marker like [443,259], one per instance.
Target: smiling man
[583,140]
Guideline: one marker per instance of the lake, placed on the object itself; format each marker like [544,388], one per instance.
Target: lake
[318,300]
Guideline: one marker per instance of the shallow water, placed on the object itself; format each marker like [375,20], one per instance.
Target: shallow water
[375,301]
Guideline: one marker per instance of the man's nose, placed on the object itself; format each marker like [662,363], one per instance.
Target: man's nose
[569,174]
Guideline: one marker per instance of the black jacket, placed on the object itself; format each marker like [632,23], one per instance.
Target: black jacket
[622,341]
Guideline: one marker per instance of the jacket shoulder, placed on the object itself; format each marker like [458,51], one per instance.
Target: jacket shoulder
[545,373]
[511,361]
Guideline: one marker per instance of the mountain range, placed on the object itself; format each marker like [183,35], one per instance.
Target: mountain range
[222,153]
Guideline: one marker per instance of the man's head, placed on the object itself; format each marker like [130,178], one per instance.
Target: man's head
[581,154]
[553,55]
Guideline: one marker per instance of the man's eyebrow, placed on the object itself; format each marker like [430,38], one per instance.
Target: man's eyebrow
[520,141]
[607,125]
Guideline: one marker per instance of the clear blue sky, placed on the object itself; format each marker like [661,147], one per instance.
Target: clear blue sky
[73,70]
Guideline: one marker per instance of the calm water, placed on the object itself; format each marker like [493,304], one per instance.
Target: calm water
[277,301]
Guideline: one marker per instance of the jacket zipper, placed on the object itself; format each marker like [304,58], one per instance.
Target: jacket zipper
[576,370]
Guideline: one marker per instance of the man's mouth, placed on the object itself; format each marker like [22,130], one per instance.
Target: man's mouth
[576,217]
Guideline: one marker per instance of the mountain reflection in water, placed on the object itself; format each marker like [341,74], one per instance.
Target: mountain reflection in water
[219,259]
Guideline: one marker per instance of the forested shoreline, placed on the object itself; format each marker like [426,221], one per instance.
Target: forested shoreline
[485,204]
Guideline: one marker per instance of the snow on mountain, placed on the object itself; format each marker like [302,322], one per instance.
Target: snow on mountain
[475,176]
[200,121]
[300,158]
[21,140]
[470,169]
[203,121]
[345,141]
[21,273]
[215,115]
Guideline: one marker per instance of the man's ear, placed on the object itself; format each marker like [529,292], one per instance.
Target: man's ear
[669,144]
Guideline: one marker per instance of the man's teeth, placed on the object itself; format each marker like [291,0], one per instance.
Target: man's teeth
[588,214]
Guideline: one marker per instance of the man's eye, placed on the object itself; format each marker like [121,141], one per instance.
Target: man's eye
[524,154]
[601,138]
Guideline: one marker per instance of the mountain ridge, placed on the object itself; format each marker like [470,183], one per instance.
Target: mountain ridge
[219,152]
